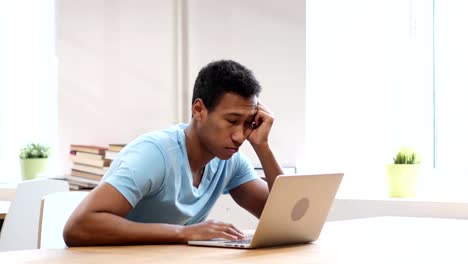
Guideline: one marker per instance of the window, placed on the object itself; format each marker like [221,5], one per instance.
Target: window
[28,80]
[383,74]
[451,84]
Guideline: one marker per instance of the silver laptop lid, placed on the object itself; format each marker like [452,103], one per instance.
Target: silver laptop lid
[296,209]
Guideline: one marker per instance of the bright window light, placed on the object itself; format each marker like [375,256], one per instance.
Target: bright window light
[383,74]
[28,80]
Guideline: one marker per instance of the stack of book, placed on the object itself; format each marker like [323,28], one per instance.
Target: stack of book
[89,165]
[113,151]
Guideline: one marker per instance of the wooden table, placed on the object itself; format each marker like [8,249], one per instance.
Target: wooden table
[371,240]
[4,206]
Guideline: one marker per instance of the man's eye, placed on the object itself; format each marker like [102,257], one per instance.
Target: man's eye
[232,122]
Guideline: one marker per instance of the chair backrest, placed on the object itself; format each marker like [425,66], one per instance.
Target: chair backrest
[19,231]
[56,208]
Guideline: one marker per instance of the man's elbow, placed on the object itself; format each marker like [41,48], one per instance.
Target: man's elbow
[72,235]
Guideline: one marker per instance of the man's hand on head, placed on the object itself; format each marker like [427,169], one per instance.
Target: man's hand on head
[263,122]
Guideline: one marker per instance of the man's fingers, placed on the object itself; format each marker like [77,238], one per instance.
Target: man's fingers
[228,236]
[238,231]
[233,231]
[216,229]
[263,107]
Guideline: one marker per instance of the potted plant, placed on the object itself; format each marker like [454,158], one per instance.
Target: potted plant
[33,159]
[403,174]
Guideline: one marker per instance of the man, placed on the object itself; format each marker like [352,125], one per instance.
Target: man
[162,185]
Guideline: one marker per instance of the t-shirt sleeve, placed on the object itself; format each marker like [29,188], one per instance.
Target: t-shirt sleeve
[243,172]
[138,171]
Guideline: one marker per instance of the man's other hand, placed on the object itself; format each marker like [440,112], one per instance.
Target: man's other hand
[211,229]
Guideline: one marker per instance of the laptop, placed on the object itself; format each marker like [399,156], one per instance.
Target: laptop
[294,213]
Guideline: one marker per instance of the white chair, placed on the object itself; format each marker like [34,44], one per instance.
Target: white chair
[56,208]
[19,231]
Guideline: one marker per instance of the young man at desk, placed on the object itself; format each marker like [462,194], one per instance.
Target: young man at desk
[162,185]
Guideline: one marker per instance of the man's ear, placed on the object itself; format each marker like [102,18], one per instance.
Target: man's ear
[198,109]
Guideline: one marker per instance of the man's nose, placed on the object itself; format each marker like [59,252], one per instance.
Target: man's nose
[240,134]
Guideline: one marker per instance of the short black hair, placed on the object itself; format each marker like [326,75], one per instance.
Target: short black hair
[219,77]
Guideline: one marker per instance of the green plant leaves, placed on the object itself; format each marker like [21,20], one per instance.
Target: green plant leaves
[406,156]
[34,151]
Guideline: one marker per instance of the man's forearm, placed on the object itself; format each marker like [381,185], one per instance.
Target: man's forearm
[108,229]
[269,164]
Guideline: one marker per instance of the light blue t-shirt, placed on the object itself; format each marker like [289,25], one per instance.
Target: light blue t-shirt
[153,174]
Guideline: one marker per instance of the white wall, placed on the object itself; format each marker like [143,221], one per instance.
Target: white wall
[118,60]
[116,70]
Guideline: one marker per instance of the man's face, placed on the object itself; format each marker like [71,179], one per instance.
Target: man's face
[224,129]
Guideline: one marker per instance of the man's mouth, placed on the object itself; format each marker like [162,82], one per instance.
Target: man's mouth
[233,150]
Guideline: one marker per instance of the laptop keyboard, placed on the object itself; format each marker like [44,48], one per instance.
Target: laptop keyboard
[243,241]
